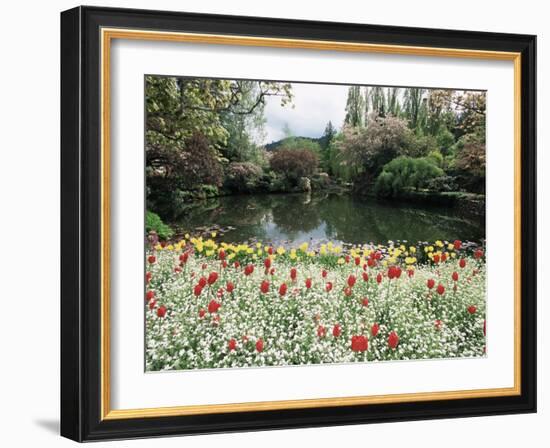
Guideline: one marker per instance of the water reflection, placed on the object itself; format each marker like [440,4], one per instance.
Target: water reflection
[320,217]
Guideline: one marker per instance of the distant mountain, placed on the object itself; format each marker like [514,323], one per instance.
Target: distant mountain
[292,141]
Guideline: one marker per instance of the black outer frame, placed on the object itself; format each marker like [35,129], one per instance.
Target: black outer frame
[81,223]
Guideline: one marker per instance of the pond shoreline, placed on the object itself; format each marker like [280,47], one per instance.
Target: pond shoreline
[328,215]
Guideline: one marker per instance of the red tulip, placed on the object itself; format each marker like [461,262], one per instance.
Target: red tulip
[150,295]
[270,250]
[249,269]
[436,258]
[152,304]
[282,289]
[379,278]
[457,244]
[212,278]
[440,289]
[478,254]
[267,263]
[184,257]
[321,331]
[324,274]
[224,264]
[430,283]
[213,306]
[444,256]
[260,345]
[204,266]
[347,291]
[161,311]
[351,280]
[232,344]
[197,290]
[359,343]
[237,265]
[151,259]
[336,330]
[293,273]
[394,272]
[272,271]
[374,329]
[264,287]
[221,254]
[348,258]
[371,262]
[438,324]
[472,309]
[365,301]
[455,276]
[410,272]
[202,312]
[148,277]
[393,340]
[462,263]
[328,287]
[365,277]
[357,261]
[308,283]
[202,282]
[229,287]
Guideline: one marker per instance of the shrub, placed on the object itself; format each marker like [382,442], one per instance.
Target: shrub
[154,223]
[243,177]
[294,163]
[405,173]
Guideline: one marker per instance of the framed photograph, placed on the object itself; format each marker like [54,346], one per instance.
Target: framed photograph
[276,224]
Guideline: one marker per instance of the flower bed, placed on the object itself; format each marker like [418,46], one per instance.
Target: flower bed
[215,305]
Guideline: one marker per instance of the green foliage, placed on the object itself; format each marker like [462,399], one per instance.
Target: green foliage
[355,107]
[445,140]
[155,224]
[405,173]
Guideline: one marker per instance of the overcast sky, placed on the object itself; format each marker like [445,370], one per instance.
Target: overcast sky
[314,106]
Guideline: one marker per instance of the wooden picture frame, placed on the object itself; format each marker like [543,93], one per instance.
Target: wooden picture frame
[86,35]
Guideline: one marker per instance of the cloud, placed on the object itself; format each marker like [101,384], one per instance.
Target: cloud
[314,106]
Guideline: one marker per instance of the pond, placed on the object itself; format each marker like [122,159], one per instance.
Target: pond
[317,218]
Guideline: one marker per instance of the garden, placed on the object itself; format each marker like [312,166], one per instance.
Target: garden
[216,305]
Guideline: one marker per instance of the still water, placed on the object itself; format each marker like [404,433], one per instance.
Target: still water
[316,218]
